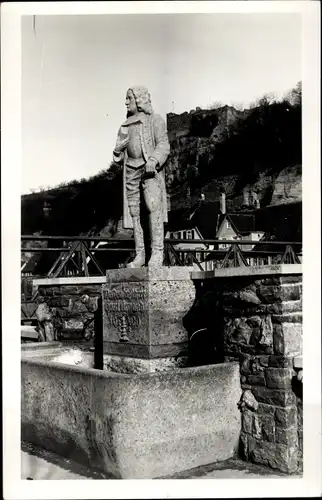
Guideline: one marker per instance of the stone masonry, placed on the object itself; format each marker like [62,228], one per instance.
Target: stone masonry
[74,301]
[262,327]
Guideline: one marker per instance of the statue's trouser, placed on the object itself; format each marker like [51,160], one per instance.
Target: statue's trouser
[133,180]
[153,200]
[139,259]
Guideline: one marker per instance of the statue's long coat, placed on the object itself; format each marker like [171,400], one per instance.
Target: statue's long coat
[154,143]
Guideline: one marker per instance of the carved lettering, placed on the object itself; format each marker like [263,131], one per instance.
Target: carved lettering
[123,306]
[116,320]
[125,293]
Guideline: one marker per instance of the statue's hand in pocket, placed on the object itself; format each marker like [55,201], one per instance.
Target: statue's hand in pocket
[150,168]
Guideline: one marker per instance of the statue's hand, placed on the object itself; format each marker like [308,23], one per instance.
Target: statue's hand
[150,167]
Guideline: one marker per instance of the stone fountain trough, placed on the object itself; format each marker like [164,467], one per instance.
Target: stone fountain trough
[142,426]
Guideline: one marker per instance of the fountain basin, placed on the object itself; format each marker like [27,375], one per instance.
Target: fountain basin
[132,426]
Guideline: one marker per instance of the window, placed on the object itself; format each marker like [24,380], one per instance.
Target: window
[189,235]
[184,235]
[228,225]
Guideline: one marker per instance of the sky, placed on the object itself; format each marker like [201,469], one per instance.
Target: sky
[76,71]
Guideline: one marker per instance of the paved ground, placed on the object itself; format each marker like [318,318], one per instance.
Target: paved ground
[41,464]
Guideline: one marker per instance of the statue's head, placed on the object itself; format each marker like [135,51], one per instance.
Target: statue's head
[138,99]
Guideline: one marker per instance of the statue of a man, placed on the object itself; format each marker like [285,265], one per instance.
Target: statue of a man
[142,147]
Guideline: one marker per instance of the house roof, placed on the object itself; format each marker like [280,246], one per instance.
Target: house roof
[203,215]
[241,223]
[206,216]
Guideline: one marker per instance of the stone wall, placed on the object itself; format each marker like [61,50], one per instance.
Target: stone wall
[74,316]
[261,325]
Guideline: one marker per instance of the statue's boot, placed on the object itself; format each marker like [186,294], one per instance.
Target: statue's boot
[153,200]
[139,260]
[157,236]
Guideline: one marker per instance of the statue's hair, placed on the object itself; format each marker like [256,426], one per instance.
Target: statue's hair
[142,98]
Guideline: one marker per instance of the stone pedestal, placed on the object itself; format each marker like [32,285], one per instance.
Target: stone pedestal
[142,318]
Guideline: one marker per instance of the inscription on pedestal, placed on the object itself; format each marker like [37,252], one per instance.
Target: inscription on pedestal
[125,307]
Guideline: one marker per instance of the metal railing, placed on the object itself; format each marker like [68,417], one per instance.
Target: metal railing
[80,256]
[77,253]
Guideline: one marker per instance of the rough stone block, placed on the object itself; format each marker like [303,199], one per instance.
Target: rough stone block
[132,426]
[275,455]
[288,437]
[293,317]
[255,337]
[243,446]
[288,338]
[245,386]
[248,401]
[259,309]
[266,410]
[287,306]
[263,360]
[237,330]
[278,293]
[279,378]
[77,307]
[254,321]
[257,430]
[267,428]
[67,290]
[291,279]
[258,379]
[90,290]
[54,302]
[254,350]
[277,280]
[286,417]
[247,421]
[300,444]
[277,397]
[300,416]
[280,361]
[58,301]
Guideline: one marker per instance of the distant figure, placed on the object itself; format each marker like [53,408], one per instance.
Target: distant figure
[45,322]
[142,147]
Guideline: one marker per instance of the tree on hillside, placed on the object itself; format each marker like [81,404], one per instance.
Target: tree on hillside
[294,96]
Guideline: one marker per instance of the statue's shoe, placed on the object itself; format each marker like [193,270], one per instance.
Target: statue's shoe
[139,261]
[156,260]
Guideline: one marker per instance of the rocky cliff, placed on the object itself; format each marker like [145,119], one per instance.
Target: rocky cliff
[256,150]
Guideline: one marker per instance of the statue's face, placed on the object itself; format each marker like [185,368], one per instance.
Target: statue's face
[130,103]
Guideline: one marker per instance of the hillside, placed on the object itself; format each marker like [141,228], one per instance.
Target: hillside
[211,150]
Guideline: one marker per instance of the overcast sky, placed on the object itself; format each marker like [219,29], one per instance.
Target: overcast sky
[76,70]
